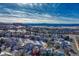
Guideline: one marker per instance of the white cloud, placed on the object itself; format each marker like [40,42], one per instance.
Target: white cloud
[28,20]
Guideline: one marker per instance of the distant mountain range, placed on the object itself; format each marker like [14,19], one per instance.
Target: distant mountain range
[39,24]
[55,25]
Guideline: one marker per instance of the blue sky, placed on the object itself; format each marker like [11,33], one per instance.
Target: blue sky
[67,13]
